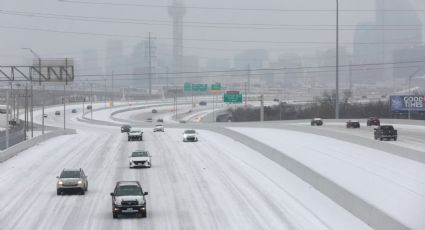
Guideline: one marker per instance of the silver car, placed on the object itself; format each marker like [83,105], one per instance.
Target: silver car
[72,180]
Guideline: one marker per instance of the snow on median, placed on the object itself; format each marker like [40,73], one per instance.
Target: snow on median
[390,183]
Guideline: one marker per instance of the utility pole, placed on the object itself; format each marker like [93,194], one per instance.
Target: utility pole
[42,113]
[166,77]
[337,62]
[64,108]
[246,94]
[105,94]
[112,86]
[262,108]
[249,85]
[26,110]
[91,101]
[150,66]
[7,119]
[351,77]
[32,111]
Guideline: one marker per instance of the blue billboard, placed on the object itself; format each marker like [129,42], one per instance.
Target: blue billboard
[405,103]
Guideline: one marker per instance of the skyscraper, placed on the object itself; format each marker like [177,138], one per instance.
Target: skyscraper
[376,41]
[177,11]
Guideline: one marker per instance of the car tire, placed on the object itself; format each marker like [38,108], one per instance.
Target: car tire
[58,192]
[395,138]
[143,214]
[87,186]
[114,216]
[381,139]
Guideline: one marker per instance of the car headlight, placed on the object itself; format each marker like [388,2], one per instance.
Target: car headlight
[60,182]
[80,182]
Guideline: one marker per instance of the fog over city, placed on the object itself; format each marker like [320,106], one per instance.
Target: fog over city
[276,29]
[212,114]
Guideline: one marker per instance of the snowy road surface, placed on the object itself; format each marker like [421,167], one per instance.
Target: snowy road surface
[213,184]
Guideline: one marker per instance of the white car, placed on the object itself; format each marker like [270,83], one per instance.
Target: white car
[135,134]
[140,158]
[190,135]
[158,128]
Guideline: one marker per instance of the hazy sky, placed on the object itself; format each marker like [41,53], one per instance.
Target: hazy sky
[72,45]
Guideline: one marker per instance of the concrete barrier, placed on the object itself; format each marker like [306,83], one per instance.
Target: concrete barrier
[16,149]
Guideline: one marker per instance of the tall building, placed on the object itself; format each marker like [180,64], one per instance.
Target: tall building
[177,11]
[143,61]
[376,41]
[116,62]
[89,63]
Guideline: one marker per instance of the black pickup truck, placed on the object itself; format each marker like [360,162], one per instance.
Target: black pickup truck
[385,132]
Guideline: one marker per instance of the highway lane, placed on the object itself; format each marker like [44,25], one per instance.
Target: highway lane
[213,184]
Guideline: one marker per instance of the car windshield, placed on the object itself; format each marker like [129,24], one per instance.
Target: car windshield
[140,154]
[70,174]
[128,190]
[189,132]
[387,127]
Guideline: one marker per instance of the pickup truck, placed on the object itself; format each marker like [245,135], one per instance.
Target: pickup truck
[135,135]
[385,132]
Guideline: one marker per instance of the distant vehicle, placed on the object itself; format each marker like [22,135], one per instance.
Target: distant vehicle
[373,121]
[3,109]
[203,103]
[224,118]
[149,119]
[125,128]
[353,124]
[128,198]
[182,121]
[190,135]
[74,111]
[159,120]
[135,135]
[72,180]
[45,115]
[276,100]
[89,107]
[140,159]
[154,111]
[12,123]
[316,122]
[57,113]
[385,132]
[158,128]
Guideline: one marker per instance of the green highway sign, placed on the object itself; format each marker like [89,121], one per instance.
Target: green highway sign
[187,87]
[199,87]
[216,87]
[232,98]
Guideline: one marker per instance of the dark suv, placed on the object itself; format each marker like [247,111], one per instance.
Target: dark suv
[125,128]
[128,198]
[373,121]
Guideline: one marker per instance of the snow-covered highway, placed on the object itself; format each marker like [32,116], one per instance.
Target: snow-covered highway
[216,183]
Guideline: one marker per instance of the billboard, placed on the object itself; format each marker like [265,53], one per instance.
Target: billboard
[53,70]
[405,103]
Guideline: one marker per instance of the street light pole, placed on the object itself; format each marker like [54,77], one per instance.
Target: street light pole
[337,62]
[39,79]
